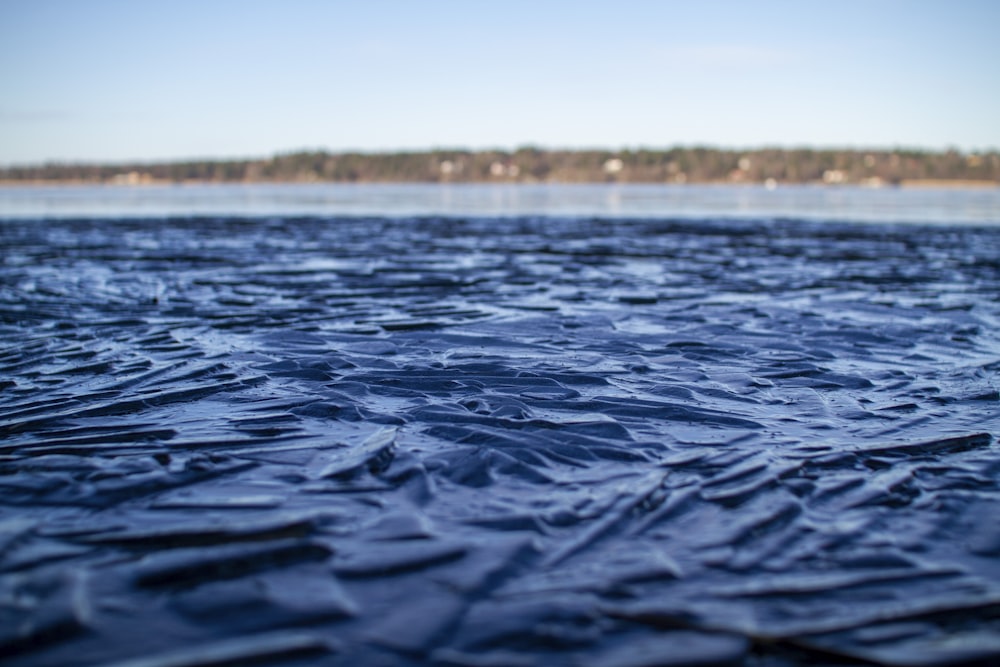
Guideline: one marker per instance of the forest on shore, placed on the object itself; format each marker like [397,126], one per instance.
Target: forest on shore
[769,166]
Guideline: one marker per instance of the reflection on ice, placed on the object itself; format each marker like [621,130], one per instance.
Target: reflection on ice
[612,200]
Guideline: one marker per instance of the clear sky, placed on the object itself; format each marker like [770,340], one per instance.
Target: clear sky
[114,80]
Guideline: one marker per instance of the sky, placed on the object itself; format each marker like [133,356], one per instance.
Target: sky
[116,81]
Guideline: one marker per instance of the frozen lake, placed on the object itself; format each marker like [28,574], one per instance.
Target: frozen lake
[799,202]
[465,426]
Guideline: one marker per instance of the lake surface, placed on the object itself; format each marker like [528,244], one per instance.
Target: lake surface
[596,426]
[799,202]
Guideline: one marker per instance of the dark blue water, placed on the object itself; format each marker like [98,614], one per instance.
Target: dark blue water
[480,440]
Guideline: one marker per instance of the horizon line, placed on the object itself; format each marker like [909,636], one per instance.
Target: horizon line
[896,148]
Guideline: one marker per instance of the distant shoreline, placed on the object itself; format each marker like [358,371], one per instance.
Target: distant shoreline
[691,165]
[909,184]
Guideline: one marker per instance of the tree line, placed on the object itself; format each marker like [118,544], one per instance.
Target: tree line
[529,164]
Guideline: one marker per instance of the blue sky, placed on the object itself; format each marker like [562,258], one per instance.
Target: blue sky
[109,80]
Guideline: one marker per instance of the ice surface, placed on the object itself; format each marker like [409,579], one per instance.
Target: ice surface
[498,441]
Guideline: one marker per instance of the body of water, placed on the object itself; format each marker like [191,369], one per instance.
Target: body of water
[800,202]
[465,426]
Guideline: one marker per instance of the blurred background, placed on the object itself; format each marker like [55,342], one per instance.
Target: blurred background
[109,81]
